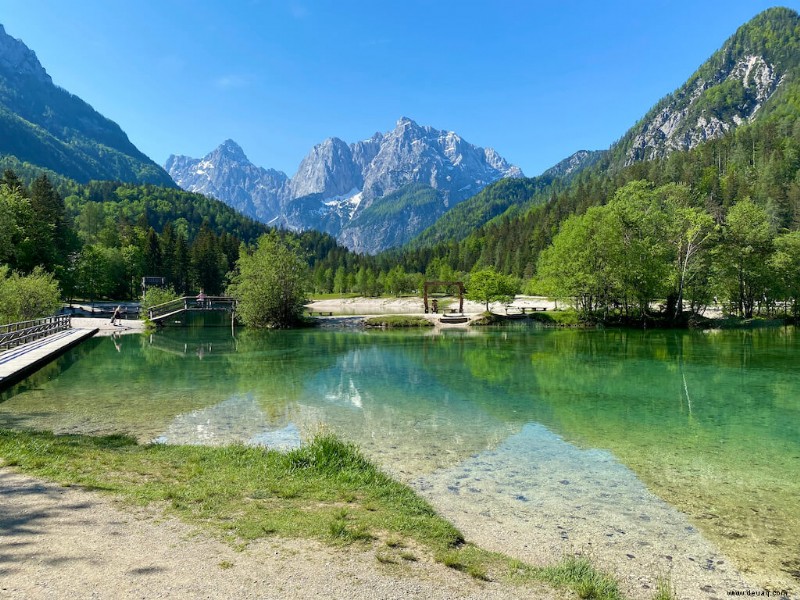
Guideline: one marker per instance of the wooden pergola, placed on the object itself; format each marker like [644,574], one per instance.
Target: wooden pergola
[430,284]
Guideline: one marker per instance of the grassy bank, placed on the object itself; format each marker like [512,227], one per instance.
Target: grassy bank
[325,490]
[397,321]
[560,318]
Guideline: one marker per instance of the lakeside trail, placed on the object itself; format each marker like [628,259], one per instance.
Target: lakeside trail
[71,543]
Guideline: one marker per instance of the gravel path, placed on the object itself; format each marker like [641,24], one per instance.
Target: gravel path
[106,328]
[70,543]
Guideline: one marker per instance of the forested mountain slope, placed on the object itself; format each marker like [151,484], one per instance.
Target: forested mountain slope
[753,77]
[45,125]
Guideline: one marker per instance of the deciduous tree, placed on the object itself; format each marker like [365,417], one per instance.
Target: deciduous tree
[487,285]
[271,283]
[25,297]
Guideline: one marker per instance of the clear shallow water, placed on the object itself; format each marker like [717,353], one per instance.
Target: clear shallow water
[667,435]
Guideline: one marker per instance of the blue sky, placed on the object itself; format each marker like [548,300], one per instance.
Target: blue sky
[536,80]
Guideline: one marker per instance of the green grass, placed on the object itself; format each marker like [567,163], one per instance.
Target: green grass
[325,490]
[394,321]
[558,318]
[577,573]
[664,590]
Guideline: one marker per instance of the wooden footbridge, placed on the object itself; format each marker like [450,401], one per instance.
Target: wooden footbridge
[28,345]
[161,312]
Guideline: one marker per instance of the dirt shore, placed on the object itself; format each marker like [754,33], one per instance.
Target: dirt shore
[71,543]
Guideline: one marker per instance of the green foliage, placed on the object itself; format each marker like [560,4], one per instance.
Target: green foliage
[785,263]
[398,282]
[576,264]
[26,297]
[16,226]
[208,262]
[664,590]
[271,283]
[487,285]
[243,492]
[392,205]
[105,236]
[156,295]
[127,205]
[743,256]
[643,245]
[36,229]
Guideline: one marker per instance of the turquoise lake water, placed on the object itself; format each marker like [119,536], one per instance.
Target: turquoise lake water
[678,434]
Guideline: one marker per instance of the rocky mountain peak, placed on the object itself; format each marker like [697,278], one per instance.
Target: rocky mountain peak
[405,122]
[225,173]
[231,151]
[336,182]
[16,59]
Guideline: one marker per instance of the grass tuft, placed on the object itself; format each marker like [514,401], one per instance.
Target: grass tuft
[578,574]
[384,558]
[664,590]
[477,572]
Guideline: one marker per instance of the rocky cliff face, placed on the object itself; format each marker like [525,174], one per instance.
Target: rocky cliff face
[329,169]
[337,183]
[574,164]
[730,89]
[708,108]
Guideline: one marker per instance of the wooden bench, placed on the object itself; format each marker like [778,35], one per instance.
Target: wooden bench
[320,313]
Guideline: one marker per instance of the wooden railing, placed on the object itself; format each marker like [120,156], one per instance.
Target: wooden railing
[23,332]
[191,303]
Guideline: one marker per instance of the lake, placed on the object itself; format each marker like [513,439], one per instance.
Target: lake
[658,452]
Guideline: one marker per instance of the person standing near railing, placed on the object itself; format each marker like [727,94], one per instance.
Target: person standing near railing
[116,316]
[201,299]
